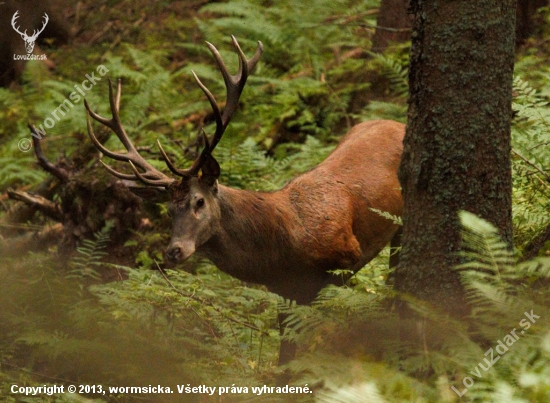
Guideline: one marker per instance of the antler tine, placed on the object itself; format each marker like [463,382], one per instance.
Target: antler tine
[234,86]
[147,181]
[213,104]
[169,162]
[151,176]
[116,173]
[114,101]
[198,163]
[257,54]
[99,146]
[115,123]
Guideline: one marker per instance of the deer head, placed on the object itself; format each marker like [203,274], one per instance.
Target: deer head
[194,203]
[29,40]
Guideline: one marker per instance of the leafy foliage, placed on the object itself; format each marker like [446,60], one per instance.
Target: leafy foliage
[507,298]
[396,71]
[531,159]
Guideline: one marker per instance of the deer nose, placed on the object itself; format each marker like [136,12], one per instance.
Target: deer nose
[179,250]
[174,253]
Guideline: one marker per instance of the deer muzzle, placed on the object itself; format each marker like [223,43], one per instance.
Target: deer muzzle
[180,251]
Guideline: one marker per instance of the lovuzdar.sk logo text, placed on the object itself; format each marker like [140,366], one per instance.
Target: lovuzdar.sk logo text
[29,39]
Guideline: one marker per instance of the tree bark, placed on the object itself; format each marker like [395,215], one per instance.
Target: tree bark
[394,24]
[457,145]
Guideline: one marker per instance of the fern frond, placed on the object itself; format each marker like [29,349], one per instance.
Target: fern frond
[396,73]
[395,219]
[90,253]
[482,247]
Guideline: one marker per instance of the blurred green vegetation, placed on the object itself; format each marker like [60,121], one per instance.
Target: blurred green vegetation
[93,318]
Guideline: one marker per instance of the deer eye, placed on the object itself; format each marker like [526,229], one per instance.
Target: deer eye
[200,203]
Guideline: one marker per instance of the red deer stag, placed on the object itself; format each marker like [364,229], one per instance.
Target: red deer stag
[287,240]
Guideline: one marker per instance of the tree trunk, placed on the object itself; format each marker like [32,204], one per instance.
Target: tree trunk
[394,24]
[525,21]
[457,145]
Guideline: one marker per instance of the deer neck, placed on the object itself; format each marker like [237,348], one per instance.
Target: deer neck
[255,227]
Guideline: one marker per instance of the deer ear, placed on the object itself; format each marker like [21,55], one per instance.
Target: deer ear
[154,195]
[210,171]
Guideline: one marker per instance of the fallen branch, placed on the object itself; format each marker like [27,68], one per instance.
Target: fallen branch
[47,207]
[56,171]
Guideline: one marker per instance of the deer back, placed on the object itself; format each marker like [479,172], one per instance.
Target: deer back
[334,201]
[322,220]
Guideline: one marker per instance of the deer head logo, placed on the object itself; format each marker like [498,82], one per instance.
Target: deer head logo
[29,40]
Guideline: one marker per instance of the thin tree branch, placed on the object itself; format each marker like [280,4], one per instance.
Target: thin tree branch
[208,303]
[539,145]
[546,176]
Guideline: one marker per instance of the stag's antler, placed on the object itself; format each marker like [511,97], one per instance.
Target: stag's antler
[151,176]
[234,87]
